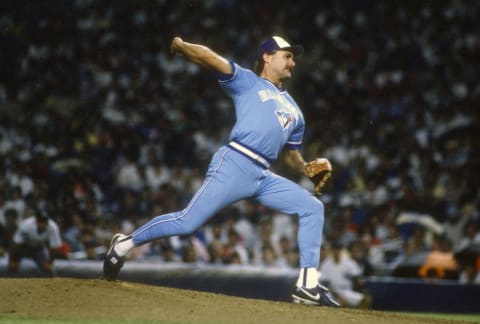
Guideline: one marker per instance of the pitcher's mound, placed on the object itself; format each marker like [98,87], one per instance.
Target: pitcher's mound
[81,299]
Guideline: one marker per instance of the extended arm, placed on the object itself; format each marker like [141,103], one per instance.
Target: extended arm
[318,170]
[201,55]
[294,160]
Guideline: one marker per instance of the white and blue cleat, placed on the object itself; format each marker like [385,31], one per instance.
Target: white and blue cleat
[319,295]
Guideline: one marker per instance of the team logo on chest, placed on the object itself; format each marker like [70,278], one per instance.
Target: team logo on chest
[286,113]
[284,117]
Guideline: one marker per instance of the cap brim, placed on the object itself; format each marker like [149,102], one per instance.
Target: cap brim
[297,50]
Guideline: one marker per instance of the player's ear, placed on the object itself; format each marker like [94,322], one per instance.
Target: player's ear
[267,57]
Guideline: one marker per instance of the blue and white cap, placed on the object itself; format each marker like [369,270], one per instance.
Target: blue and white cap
[276,43]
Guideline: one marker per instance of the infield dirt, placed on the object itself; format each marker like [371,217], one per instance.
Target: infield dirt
[90,300]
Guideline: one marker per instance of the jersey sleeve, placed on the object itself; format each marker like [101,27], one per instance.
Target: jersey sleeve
[294,142]
[239,81]
[54,239]
[354,269]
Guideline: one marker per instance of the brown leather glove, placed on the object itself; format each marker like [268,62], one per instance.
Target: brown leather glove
[319,171]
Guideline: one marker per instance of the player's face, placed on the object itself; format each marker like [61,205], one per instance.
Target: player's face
[42,225]
[282,64]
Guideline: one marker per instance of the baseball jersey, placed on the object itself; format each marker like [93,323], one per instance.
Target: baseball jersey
[339,274]
[27,234]
[267,117]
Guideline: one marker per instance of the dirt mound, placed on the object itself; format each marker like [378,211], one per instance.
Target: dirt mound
[80,299]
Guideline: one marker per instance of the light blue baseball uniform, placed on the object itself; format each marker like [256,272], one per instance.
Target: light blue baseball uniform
[267,120]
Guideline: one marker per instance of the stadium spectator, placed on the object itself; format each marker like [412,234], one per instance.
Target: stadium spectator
[8,227]
[16,201]
[440,262]
[156,174]
[456,224]
[469,275]
[343,275]
[359,253]
[38,238]
[384,255]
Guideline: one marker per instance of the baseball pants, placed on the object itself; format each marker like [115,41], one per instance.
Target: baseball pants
[232,176]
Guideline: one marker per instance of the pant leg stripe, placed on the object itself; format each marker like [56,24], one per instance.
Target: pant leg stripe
[192,202]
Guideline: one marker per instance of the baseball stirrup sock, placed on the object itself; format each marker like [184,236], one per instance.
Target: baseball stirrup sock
[124,246]
[308,278]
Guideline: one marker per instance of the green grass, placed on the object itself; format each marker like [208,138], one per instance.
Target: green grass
[7,319]
[10,320]
[473,318]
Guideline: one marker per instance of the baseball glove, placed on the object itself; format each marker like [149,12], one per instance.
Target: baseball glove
[319,171]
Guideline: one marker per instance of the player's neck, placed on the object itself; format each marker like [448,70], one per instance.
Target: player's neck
[276,82]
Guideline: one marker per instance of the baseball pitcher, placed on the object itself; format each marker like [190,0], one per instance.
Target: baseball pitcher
[268,124]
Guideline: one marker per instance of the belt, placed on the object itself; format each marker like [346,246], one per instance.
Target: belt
[249,153]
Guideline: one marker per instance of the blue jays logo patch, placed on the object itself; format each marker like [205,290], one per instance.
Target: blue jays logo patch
[285,118]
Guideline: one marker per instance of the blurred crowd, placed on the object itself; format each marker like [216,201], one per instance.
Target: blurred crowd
[101,128]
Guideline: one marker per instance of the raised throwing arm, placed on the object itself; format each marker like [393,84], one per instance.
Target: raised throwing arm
[201,55]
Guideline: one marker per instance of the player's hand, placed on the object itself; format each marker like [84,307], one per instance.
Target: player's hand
[175,45]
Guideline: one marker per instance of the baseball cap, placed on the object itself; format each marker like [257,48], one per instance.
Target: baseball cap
[276,43]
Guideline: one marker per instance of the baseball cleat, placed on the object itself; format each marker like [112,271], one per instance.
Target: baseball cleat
[113,262]
[319,295]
